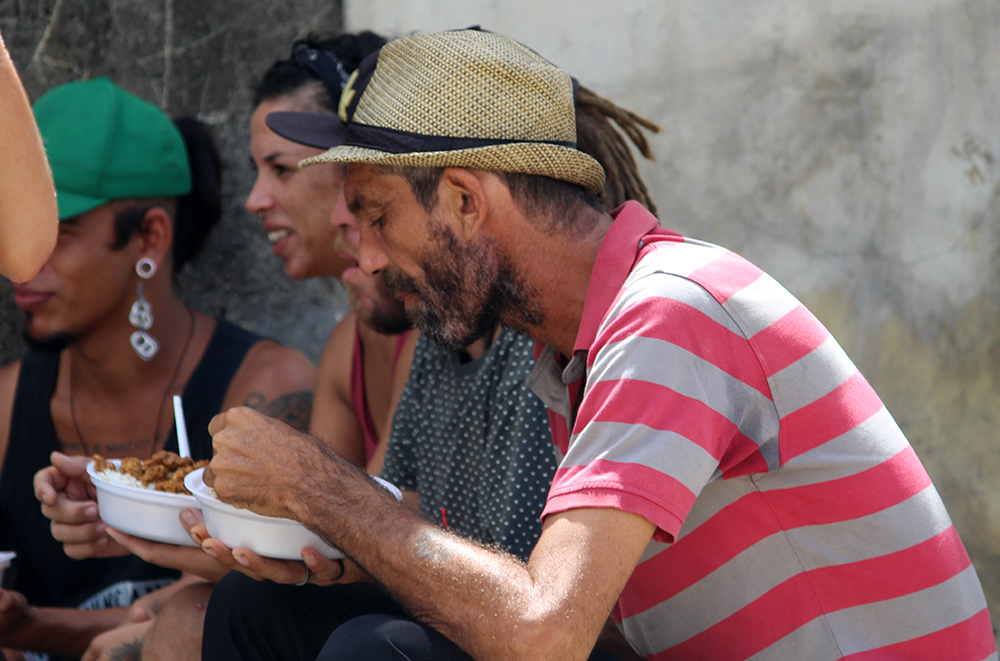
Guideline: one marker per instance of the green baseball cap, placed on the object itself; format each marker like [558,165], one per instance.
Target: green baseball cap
[105,144]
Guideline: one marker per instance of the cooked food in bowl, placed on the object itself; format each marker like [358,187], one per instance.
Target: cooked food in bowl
[164,471]
[126,504]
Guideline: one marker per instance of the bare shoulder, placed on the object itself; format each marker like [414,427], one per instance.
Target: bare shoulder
[275,380]
[8,387]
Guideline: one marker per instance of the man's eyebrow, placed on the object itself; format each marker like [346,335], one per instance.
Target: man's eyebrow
[358,202]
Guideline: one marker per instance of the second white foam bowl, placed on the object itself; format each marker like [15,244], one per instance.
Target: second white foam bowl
[142,512]
[267,536]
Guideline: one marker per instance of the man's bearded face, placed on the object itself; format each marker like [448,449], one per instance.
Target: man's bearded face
[468,289]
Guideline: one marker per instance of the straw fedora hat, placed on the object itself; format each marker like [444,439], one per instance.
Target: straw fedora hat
[465,98]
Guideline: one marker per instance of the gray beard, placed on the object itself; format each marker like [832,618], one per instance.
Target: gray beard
[458,277]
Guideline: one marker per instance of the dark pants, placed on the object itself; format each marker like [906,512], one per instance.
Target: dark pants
[250,620]
[388,638]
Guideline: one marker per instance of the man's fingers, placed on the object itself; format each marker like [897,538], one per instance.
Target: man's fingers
[190,559]
[48,482]
[79,533]
[217,423]
[208,477]
[279,571]
[194,523]
[11,601]
[70,466]
[220,552]
[67,474]
[327,572]
[67,511]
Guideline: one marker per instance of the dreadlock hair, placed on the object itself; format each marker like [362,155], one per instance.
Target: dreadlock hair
[542,195]
[596,136]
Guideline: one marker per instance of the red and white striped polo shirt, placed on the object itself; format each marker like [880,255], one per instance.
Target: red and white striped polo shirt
[794,520]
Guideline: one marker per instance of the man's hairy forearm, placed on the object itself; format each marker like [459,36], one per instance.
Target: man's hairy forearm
[477,597]
[491,604]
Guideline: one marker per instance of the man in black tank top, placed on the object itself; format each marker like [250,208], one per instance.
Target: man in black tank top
[111,343]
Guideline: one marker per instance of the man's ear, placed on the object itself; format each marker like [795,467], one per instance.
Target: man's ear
[463,198]
[156,235]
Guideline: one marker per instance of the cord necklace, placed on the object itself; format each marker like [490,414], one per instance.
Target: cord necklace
[163,401]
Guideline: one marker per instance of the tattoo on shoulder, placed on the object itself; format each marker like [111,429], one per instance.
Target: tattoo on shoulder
[127,652]
[430,546]
[293,409]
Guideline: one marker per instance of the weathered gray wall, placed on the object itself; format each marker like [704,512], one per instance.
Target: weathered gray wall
[849,147]
[193,57]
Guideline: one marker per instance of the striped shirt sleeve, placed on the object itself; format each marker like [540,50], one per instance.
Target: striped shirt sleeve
[675,397]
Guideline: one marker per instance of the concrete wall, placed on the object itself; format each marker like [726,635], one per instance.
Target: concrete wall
[192,58]
[848,147]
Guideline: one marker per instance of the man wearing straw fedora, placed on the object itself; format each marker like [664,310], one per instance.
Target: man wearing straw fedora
[730,486]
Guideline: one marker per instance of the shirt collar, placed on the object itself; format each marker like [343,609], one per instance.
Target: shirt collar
[614,262]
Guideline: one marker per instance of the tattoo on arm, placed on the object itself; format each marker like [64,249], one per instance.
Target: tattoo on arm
[293,409]
[430,546]
[127,652]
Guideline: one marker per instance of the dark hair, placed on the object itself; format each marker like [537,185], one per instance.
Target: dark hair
[194,214]
[596,136]
[310,63]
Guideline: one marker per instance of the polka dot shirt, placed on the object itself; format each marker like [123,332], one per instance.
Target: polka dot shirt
[474,442]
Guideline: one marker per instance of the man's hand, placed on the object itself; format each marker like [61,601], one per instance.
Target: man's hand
[69,499]
[257,460]
[321,570]
[188,559]
[13,613]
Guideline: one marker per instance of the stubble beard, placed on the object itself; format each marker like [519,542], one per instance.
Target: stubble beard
[387,315]
[51,343]
[469,291]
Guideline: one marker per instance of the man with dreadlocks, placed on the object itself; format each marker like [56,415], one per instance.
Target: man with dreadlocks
[730,488]
[470,447]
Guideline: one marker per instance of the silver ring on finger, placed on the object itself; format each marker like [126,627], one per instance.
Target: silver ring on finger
[307,576]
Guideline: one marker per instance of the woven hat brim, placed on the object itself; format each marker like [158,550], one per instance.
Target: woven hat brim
[547,160]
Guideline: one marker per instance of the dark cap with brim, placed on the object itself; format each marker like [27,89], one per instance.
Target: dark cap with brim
[321,130]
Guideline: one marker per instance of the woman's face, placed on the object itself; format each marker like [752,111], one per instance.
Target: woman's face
[293,204]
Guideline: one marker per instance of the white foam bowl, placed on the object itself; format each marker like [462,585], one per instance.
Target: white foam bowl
[145,513]
[267,536]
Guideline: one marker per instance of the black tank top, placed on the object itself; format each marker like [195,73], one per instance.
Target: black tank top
[44,573]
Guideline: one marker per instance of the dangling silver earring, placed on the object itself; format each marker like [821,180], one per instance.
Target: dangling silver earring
[141,314]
